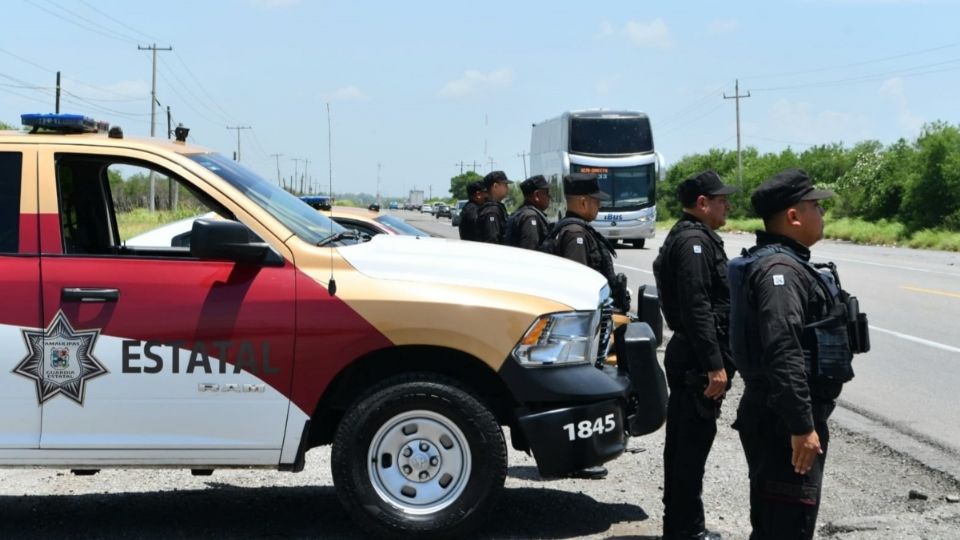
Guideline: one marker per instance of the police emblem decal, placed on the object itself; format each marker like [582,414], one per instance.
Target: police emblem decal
[60,359]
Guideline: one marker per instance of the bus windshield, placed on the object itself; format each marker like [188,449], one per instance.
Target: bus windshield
[610,136]
[630,188]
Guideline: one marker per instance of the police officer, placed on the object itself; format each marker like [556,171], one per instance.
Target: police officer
[528,225]
[492,216]
[791,346]
[691,274]
[573,237]
[476,196]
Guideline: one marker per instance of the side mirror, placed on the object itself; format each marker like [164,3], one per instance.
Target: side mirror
[226,240]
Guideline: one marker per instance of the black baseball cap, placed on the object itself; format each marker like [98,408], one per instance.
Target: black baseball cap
[783,190]
[703,183]
[534,183]
[474,187]
[583,184]
[495,176]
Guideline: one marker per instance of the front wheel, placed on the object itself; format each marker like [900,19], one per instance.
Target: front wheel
[638,243]
[418,457]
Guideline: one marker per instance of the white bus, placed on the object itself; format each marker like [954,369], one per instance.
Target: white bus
[617,146]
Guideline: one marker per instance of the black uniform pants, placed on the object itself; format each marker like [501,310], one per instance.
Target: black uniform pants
[783,504]
[689,438]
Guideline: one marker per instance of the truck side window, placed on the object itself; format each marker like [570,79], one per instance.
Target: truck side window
[10,172]
[105,208]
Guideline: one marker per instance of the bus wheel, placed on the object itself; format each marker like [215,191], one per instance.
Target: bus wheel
[638,242]
[418,457]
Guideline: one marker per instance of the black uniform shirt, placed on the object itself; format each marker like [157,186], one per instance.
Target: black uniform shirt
[691,274]
[491,222]
[582,243]
[785,297]
[468,221]
[528,226]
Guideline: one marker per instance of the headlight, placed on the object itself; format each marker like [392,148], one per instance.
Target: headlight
[560,338]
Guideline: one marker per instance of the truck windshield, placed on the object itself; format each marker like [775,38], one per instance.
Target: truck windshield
[630,188]
[302,220]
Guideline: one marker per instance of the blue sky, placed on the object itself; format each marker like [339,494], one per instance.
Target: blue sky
[418,87]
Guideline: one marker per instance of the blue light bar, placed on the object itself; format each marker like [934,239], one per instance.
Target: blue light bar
[63,123]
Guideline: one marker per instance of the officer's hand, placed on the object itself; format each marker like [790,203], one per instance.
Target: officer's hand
[716,384]
[806,448]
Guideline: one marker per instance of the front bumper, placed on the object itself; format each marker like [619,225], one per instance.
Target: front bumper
[576,417]
[630,230]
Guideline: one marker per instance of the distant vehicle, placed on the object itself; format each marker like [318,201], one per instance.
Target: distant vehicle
[394,205]
[372,223]
[442,210]
[455,213]
[617,146]
[318,202]
[415,199]
[426,209]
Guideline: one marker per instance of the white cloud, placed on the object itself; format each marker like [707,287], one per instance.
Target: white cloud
[476,82]
[798,121]
[722,26]
[649,34]
[345,93]
[894,89]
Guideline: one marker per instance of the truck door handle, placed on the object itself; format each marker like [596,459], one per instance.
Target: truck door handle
[79,294]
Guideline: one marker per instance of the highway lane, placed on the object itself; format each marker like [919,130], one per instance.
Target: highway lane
[910,379]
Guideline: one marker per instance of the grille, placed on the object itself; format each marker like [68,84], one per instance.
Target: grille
[605,330]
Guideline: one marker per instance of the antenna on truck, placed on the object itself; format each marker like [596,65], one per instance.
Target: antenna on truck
[332,284]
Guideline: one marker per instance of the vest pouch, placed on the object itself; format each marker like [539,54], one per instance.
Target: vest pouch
[833,360]
[863,334]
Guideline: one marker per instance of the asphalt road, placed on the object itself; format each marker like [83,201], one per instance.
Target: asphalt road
[906,387]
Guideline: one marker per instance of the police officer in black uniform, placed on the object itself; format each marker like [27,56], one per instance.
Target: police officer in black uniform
[573,236]
[476,195]
[791,338]
[492,217]
[691,274]
[528,225]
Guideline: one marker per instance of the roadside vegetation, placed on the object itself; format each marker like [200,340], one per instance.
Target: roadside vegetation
[906,193]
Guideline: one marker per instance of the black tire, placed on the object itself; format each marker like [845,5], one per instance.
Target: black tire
[638,243]
[435,420]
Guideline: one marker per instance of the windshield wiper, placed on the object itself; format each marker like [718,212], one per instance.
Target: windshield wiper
[349,233]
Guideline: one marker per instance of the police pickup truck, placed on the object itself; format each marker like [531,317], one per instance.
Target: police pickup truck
[269,330]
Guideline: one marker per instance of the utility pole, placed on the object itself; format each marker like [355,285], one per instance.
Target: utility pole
[461,165]
[153,108]
[523,155]
[378,184]
[306,163]
[296,161]
[473,166]
[57,109]
[492,163]
[238,128]
[736,95]
[171,190]
[277,156]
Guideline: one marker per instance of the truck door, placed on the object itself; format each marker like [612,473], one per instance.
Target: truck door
[169,353]
[20,294]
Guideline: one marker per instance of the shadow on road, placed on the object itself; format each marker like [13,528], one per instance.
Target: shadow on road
[226,511]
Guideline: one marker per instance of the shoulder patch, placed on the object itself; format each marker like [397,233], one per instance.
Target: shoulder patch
[580,241]
[778,280]
[533,222]
[492,218]
[697,249]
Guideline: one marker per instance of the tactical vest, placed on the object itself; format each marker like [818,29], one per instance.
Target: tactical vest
[511,236]
[828,342]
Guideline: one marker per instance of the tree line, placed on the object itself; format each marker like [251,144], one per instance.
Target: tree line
[916,183]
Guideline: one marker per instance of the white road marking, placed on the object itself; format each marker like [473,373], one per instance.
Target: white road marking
[634,268]
[915,339]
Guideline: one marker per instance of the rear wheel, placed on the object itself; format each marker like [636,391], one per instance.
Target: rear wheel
[638,242]
[418,457]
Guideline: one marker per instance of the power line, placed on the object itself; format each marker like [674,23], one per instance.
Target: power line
[121,23]
[75,23]
[905,72]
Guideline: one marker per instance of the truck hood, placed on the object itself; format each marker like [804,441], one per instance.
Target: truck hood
[477,265]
